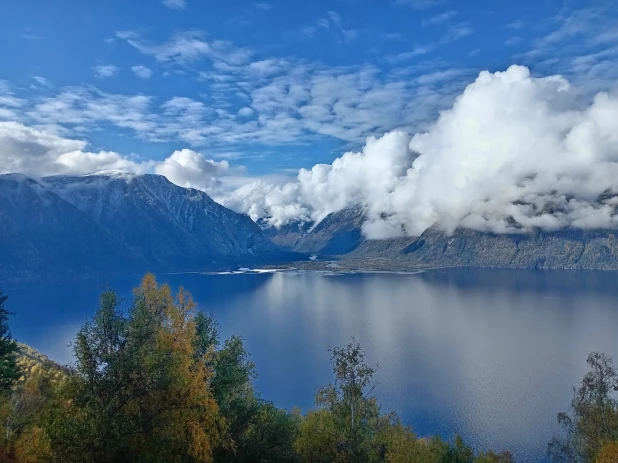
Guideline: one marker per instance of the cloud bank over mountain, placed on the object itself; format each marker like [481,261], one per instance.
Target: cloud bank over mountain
[38,152]
[514,152]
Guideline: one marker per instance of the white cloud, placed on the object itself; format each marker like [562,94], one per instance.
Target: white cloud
[516,25]
[84,108]
[41,81]
[188,46]
[350,35]
[586,34]
[291,101]
[334,17]
[440,18]
[190,169]
[418,4]
[245,112]
[175,4]
[38,153]
[405,56]
[264,6]
[513,41]
[514,152]
[457,32]
[104,71]
[142,71]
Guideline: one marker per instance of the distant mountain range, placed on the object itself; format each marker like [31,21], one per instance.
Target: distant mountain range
[78,227]
[339,234]
[67,228]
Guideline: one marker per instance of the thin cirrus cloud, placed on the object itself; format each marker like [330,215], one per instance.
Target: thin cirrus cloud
[105,70]
[418,4]
[175,4]
[188,46]
[441,18]
[583,45]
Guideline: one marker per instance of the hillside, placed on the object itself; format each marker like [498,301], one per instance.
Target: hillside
[43,238]
[340,235]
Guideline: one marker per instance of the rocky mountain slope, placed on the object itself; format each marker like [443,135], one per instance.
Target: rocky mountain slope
[45,239]
[73,227]
[338,233]
[566,249]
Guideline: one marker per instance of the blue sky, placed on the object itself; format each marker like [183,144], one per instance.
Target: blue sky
[275,85]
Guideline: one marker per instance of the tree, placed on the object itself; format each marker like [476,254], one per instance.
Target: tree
[350,418]
[138,392]
[259,431]
[9,371]
[269,438]
[609,453]
[594,414]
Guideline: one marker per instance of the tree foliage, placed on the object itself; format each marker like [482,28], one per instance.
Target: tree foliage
[9,370]
[593,423]
[137,391]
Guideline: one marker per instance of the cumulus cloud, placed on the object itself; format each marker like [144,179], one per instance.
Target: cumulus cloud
[37,152]
[514,153]
[104,71]
[141,71]
[190,169]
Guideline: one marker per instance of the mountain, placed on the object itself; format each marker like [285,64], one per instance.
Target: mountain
[338,233]
[565,249]
[45,239]
[170,226]
[78,227]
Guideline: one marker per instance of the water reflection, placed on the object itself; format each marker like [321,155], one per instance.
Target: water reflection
[488,354]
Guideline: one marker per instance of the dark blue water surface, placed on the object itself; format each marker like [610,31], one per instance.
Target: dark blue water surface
[492,355]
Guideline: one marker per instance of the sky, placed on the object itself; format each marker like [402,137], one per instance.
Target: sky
[235,97]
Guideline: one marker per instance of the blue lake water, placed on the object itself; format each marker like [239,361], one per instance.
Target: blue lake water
[490,354]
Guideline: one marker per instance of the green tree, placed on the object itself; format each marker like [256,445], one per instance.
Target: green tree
[594,414]
[350,423]
[137,392]
[9,371]
[258,430]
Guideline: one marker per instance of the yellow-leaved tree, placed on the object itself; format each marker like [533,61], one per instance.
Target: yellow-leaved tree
[138,391]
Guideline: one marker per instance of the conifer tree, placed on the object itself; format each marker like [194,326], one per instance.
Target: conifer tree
[9,371]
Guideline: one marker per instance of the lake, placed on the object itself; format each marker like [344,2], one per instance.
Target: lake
[490,354]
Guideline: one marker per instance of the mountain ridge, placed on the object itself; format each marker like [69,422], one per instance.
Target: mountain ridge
[65,228]
[562,249]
